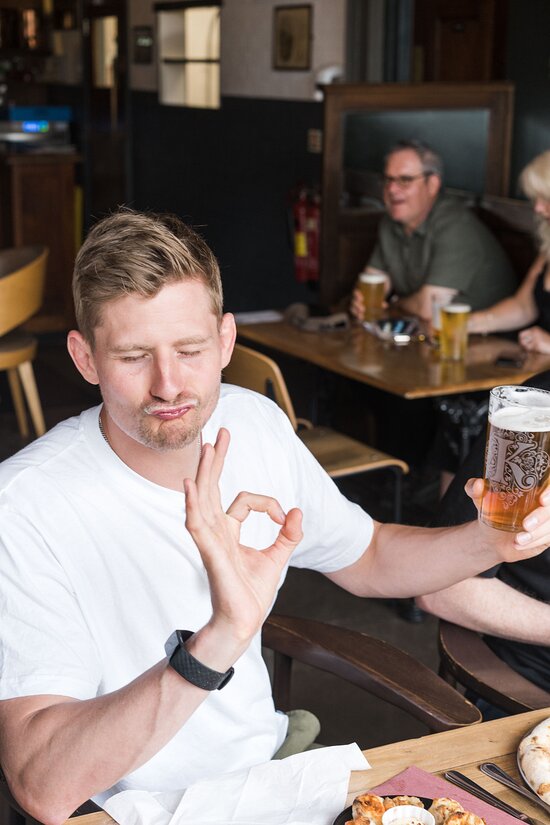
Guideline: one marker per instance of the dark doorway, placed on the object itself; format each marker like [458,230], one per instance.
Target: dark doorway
[105,85]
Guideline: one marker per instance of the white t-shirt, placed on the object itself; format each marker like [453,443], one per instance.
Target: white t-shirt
[97,570]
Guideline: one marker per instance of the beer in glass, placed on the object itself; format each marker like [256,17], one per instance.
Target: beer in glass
[372,286]
[517,455]
[453,333]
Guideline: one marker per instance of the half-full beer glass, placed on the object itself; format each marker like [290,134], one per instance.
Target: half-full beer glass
[373,287]
[517,455]
[453,333]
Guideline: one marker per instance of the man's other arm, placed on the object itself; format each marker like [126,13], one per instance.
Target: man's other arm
[420,303]
[493,607]
[57,751]
[403,561]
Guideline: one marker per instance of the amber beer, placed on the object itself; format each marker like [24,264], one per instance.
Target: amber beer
[517,455]
[453,334]
[373,287]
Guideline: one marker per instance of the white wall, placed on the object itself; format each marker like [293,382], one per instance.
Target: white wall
[246,48]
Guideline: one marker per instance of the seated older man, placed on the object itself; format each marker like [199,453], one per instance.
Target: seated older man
[430,246]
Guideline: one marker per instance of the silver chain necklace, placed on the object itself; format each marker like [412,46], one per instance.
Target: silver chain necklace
[102,431]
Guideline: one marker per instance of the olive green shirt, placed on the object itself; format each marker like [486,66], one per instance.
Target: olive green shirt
[452,248]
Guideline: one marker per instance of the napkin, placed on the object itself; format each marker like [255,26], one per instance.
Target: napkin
[305,789]
[416,782]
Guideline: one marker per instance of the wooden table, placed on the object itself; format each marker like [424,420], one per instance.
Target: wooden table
[462,749]
[411,371]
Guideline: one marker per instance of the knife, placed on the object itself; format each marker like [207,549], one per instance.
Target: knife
[492,770]
[472,787]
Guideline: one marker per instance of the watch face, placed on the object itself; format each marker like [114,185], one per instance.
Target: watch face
[171,643]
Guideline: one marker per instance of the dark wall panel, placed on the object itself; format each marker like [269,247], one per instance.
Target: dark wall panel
[529,68]
[230,172]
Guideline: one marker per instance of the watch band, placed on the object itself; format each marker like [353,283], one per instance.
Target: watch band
[190,668]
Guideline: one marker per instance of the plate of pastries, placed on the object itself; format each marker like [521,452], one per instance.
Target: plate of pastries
[534,759]
[371,809]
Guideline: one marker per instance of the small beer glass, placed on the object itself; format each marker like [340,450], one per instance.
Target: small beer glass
[517,459]
[372,286]
[453,333]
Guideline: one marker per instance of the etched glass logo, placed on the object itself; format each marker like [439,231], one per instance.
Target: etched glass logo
[515,463]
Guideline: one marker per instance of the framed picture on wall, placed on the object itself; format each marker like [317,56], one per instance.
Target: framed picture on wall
[292,37]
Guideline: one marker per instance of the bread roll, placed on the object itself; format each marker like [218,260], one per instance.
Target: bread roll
[534,759]
[369,807]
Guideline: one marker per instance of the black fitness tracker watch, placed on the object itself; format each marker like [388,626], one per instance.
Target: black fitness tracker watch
[190,668]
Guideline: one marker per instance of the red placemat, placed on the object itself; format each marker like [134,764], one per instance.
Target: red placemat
[416,782]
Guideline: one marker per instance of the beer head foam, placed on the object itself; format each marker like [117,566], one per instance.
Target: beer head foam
[522,419]
[372,278]
[457,308]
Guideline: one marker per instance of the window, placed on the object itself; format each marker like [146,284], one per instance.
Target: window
[189,53]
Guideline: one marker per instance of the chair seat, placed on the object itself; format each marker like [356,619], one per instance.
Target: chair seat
[341,455]
[471,662]
[15,348]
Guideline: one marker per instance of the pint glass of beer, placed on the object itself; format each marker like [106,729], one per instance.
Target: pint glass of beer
[453,333]
[373,287]
[517,455]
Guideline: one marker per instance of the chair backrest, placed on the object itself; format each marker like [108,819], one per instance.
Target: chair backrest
[255,371]
[22,275]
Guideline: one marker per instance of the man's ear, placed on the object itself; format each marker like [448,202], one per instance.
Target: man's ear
[228,334]
[82,355]
[434,185]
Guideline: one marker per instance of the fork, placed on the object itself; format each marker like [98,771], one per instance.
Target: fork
[472,787]
[495,772]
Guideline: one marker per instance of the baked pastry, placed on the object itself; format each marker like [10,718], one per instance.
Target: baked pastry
[368,807]
[392,801]
[442,809]
[464,818]
[534,759]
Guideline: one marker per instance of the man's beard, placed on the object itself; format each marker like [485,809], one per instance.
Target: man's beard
[170,435]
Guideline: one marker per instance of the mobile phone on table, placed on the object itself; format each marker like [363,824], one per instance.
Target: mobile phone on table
[515,361]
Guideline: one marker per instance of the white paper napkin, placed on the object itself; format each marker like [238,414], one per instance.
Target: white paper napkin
[306,789]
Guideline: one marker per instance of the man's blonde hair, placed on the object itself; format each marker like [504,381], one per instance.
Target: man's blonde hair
[535,182]
[135,253]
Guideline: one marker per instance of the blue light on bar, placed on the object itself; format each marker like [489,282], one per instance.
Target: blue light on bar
[35,126]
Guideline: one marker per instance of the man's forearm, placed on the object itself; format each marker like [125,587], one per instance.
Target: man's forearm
[57,752]
[493,607]
[414,305]
[403,561]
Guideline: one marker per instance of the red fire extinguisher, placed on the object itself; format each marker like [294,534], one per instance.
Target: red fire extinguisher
[299,215]
[313,224]
[306,219]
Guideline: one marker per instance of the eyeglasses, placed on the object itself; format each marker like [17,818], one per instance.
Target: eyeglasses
[403,181]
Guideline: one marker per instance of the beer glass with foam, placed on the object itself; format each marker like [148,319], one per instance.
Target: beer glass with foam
[517,455]
[453,333]
[372,286]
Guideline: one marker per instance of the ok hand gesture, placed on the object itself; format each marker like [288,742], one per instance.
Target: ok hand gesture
[243,580]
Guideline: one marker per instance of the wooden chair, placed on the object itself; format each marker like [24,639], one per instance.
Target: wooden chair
[337,453]
[372,664]
[466,660]
[22,274]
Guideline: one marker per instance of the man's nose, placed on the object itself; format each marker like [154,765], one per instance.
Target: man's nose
[166,380]
[392,188]
[542,207]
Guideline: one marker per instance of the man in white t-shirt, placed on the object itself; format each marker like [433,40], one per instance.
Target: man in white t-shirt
[124,524]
